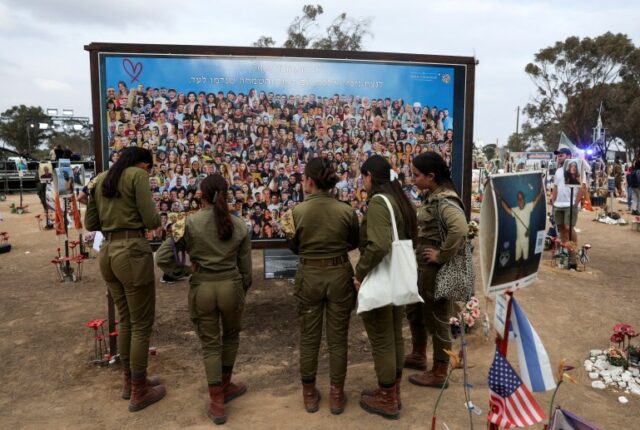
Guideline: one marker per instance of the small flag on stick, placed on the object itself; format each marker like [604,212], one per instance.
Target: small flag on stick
[535,367]
[511,402]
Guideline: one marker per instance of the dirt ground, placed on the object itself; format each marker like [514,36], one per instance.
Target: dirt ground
[46,381]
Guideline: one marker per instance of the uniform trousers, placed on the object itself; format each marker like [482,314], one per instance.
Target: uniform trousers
[324,293]
[127,268]
[216,303]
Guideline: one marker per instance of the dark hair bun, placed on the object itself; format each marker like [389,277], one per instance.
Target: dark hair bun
[322,173]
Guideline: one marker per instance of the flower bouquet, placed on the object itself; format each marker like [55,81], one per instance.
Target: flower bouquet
[622,335]
[468,316]
[616,357]
[473,229]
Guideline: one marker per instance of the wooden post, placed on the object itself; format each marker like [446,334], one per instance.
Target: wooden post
[504,344]
[503,341]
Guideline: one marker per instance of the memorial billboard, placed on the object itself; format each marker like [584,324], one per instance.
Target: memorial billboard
[257,115]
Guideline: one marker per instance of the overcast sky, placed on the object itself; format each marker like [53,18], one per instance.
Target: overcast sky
[43,62]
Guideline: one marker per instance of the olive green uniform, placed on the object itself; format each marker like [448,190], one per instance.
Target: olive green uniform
[126,260]
[432,317]
[383,325]
[218,285]
[325,230]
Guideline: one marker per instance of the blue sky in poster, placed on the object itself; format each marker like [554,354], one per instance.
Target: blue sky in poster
[429,85]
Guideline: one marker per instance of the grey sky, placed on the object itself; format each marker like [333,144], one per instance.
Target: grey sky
[43,62]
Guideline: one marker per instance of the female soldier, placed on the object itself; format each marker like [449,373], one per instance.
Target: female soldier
[219,248]
[431,175]
[122,206]
[325,230]
[383,325]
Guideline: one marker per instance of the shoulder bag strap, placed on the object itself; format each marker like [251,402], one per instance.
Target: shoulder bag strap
[393,217]
[442,228]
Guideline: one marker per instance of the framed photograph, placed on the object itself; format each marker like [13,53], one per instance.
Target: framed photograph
[573,172]
[512,231]
[45,172]
[79,175]
[63,179]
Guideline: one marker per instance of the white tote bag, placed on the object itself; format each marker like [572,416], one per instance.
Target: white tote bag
[395,279]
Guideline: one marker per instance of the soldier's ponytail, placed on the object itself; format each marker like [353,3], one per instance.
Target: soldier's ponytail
[130,156]
[214,192]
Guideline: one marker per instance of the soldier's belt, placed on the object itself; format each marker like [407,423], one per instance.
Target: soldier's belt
[204,270]
[123,234]
[324,262]
[202,274]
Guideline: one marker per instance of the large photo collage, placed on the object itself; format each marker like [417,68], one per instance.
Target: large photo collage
[260,133]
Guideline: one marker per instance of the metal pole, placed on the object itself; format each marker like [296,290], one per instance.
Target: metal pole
[518,122]
[28,140]
[20,179]
[111,311]
[571,222]
[66,239]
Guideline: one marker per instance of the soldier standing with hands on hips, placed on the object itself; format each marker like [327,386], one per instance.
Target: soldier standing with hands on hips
[442,203]
[325,230]
[121,207]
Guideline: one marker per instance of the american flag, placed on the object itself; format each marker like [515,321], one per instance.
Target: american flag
[512,404]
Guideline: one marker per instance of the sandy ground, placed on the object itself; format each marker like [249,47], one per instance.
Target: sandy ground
[46,381]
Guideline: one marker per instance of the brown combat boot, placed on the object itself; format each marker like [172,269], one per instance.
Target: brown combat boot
[143,394]
[418,358]
[398,380]
[231,390]
[383,402]
[215,409]
[311,397]
[126,389]
[337,399]
[372,391]
[436,377]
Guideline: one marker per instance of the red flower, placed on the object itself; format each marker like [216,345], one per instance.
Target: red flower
[617,337]
[631,332]
[94,324]
[622,328]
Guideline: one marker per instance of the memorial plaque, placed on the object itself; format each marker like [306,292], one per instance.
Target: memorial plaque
[280,264]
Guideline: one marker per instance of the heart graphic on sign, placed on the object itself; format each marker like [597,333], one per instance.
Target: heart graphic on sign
[133,70]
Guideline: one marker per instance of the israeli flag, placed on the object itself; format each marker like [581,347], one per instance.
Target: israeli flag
[535,369]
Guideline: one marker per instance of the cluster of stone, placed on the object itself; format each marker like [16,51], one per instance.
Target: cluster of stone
[603,374]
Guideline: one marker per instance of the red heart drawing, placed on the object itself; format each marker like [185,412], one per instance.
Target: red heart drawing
[133,70]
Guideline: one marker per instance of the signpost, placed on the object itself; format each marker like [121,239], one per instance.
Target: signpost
[280,264]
